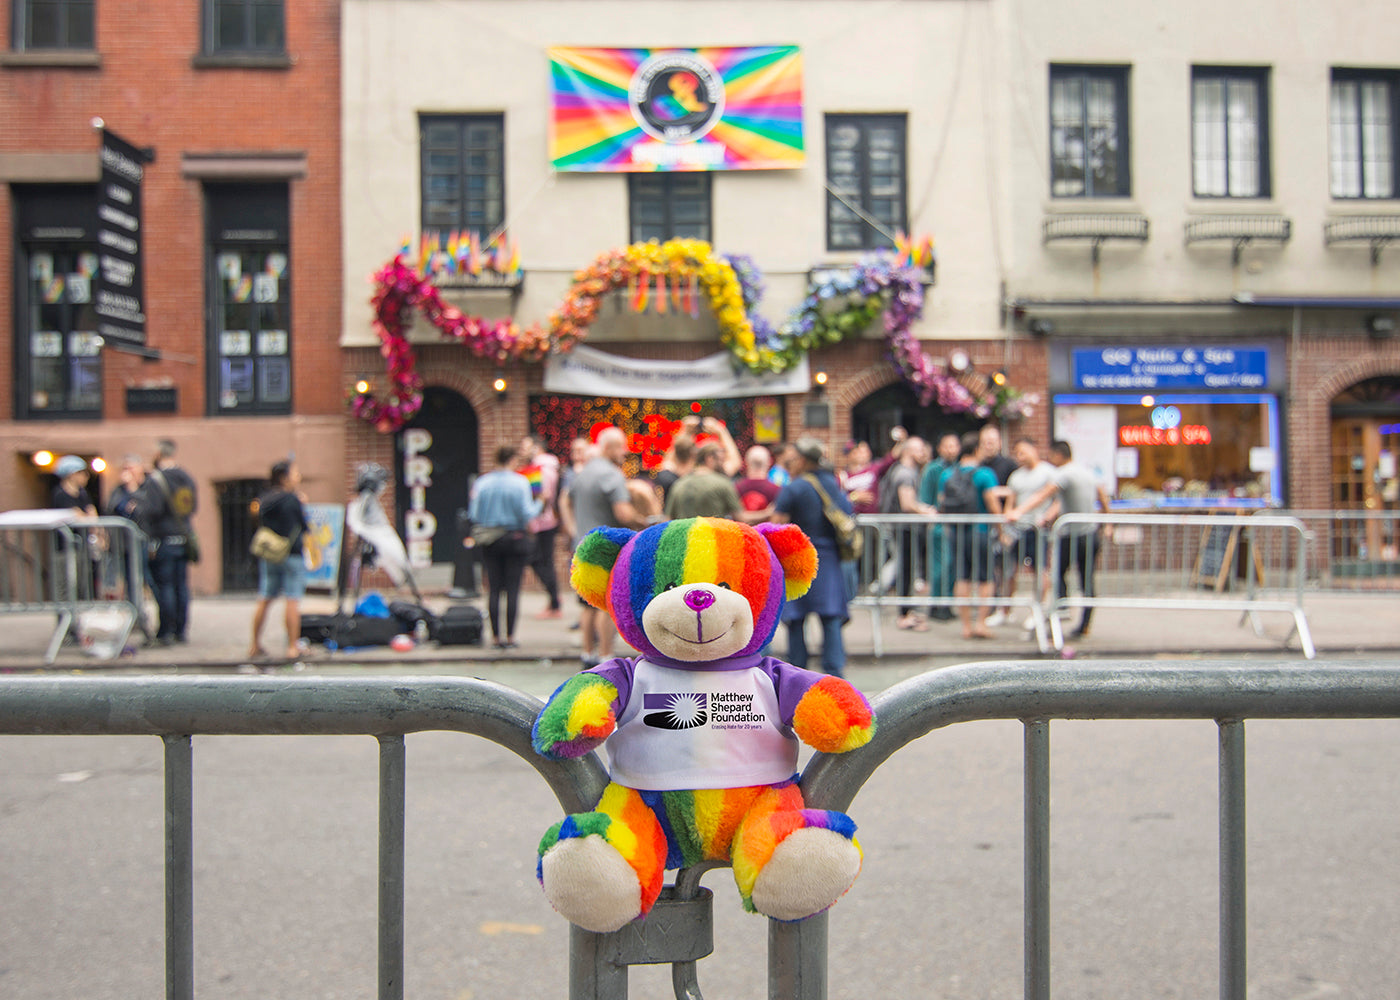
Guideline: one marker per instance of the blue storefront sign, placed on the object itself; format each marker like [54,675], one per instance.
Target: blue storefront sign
[1222,368]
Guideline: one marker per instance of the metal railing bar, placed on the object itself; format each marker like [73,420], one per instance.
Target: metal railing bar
[392,795]
[1102,689]
[179,868]
[1037,859]
[1233,907]
[797,953]
[591,975]
[310,706]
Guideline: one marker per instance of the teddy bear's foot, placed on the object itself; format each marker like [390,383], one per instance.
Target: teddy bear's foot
[591,884]
[811,869]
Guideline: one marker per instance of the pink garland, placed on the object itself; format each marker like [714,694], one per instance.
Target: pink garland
[399,290]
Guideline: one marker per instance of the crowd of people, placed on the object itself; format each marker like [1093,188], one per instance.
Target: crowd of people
[160,498]
[529,500]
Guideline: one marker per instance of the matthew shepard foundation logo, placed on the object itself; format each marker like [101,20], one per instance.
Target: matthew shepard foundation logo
[675,711]
[676,96]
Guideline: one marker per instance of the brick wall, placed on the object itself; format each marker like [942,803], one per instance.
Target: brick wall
[147,90]
[1328,362]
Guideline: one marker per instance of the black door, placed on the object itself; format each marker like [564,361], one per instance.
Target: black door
[895,405]
[435,459]
[236,496]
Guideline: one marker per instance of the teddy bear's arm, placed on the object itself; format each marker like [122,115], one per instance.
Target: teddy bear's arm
[833,717]
[578,717]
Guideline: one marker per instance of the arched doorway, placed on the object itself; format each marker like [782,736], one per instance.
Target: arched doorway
[895,405]
[1366,445]
[1365,456]
[435,460]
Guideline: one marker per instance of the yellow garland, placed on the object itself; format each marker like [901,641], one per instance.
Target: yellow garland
[684,259]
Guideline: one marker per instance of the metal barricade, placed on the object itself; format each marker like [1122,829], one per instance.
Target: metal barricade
[1353,551]
[1227,692]
[952,561]
[1164,562]
[387,708]
[90,574]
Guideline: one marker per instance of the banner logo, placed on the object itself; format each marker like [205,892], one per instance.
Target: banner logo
[675,711]
[676,97]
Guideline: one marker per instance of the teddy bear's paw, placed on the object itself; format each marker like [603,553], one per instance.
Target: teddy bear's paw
[811,869]
[591,884]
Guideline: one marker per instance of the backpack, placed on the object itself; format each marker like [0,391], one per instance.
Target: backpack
[960,493]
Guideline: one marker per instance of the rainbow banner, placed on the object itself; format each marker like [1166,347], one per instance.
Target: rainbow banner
[643,110]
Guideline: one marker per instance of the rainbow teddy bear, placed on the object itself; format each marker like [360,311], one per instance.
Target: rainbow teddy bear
[701,730]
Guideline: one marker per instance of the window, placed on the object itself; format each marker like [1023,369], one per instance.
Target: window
[1189,450]
[244,27]
[58,354]
[53,24]
[865,180]
[1364,112]
[250,335]
[1089,132]
[669,206]
[1230,132]
[463,162]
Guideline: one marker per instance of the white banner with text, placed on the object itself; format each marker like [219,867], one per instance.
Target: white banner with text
[586,371]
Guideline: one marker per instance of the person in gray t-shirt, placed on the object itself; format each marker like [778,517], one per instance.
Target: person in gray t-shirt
[597,498]
[1022,540]
[1079,493]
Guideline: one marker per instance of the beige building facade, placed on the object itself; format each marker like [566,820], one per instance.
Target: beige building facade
[1167,228]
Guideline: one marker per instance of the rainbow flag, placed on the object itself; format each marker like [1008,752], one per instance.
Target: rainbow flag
[643,110]
[536,477]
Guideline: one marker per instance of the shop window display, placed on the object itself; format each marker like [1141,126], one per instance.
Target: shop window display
[1178,450]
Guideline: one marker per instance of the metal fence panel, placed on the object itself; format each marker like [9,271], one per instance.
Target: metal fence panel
[1249,564]
[388,708]
[90,573]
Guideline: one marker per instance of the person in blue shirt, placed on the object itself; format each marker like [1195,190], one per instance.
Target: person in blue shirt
[501,509]
[971,542]
[800,503]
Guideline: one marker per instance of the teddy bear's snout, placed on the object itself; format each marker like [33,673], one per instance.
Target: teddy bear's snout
[698,600]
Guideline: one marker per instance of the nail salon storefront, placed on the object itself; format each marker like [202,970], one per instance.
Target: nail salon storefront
[1184,425]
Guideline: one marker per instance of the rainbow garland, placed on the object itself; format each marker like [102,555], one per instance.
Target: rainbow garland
[677,275]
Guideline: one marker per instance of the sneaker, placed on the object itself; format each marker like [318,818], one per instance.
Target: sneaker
[995,620]
[550,613]
[1029,624]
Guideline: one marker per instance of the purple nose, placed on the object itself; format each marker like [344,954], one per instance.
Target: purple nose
[699,600]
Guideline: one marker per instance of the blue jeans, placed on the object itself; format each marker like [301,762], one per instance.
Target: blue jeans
[833,646]
[170,578]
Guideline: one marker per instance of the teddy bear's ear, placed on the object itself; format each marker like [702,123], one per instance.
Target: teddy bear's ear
[796,555]
[593,562]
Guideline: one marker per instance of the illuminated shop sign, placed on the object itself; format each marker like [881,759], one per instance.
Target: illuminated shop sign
[1220,367]
[1166,428]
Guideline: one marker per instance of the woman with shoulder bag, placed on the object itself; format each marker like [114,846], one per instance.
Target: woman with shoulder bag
[500,511]
[280,510]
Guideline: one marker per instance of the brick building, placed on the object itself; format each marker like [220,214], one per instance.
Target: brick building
[234,106]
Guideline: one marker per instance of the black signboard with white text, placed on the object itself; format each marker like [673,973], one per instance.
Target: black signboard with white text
[120,300]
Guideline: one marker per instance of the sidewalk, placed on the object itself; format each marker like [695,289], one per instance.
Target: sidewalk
[1341,624]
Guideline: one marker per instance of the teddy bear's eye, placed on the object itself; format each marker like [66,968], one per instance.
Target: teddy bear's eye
[669,586]
[725,585]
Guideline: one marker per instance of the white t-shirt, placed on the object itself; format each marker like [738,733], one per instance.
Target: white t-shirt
[700,729]
[1023,482]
